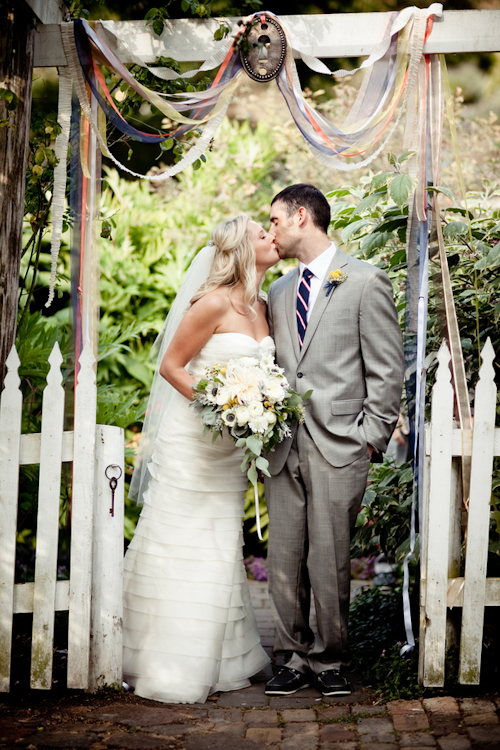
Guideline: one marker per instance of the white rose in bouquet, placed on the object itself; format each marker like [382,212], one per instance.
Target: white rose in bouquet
[242,415]
[255,409]
[270,416]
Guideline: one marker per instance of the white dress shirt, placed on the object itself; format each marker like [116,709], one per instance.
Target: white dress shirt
[318,267]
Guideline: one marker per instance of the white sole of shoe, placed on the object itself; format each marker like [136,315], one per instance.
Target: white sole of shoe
[336,692]
[286,692]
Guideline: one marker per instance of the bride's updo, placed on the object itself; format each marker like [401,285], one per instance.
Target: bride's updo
[234,260]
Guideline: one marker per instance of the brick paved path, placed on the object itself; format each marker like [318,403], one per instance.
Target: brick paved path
[249,720]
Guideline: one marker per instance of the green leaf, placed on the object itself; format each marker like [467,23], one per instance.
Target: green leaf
[455,228]
[197,164]
[152,12]
[368,202]
[252,475]
[263,465]
[490,260]
[158,26]
[293,400]
[392,223]
[405,156]
[400,188]
[241,443]
[184,6]
[375,240]
[338,193]
[307,395]
[459,210]
[380,180]
[354,227]
[436,189]
[254,444]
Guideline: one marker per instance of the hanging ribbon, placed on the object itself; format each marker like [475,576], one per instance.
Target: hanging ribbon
[392,71]
[59,192]
[426,131]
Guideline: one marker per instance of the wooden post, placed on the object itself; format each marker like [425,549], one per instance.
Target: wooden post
[16,65]
[438,522]
[47,525]
[11,407]
[107,562]
[476,556]
[82,512]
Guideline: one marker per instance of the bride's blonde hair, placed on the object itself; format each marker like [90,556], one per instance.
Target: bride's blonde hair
[234,261]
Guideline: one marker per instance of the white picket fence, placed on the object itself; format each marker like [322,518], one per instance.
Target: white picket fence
[442,587]
[93,594]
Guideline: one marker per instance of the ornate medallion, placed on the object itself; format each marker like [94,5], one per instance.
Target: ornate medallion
[266,49]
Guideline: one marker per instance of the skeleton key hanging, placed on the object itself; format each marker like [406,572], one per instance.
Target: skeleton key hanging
[113,482]
[266,49]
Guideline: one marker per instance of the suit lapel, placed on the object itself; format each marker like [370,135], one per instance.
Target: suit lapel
[291,307]
[340,260]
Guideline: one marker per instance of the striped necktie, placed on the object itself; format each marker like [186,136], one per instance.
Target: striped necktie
[303,304]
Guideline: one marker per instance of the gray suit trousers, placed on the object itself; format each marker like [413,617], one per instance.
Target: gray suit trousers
[312,511]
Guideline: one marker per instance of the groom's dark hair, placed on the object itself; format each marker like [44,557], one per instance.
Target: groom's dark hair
[308,196]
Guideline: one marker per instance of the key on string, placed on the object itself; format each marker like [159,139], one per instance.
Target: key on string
[113,483]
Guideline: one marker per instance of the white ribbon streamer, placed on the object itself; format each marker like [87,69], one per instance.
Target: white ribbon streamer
[407,15]
[124,50]
[59,190]
[194,152]
[257,511]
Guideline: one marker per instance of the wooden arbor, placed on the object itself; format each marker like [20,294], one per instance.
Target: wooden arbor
[327,36]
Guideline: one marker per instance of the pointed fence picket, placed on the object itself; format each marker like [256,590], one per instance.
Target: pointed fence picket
[11,406]
[442,587]
[93,593]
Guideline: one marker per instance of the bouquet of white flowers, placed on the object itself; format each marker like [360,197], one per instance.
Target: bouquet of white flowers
[252,401]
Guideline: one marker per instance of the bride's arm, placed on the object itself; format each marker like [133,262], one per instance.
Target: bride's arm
[197,326]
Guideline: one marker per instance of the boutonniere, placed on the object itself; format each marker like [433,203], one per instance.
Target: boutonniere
[334,279]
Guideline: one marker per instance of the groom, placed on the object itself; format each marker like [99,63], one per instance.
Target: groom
[336,331]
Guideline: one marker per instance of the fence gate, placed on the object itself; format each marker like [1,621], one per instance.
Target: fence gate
[442,586]
[93,594]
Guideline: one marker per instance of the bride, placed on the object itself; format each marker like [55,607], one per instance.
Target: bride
[189,628]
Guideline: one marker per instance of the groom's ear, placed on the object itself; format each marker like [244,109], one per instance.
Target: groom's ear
[301,215]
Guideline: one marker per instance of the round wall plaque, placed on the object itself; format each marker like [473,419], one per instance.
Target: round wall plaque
[267,49]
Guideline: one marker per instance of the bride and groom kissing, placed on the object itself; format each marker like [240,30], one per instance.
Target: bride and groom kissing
[189,628]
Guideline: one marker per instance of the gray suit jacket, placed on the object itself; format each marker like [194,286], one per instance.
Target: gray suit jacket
[352,359]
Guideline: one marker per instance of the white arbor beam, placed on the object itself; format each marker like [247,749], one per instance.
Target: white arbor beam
[48,11]
[322,35]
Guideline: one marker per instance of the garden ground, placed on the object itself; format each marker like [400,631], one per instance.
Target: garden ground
[247,719]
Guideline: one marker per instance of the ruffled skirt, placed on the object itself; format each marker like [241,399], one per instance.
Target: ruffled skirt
[189,629]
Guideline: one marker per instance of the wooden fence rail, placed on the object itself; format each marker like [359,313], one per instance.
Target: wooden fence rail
[442,586]
[93,593]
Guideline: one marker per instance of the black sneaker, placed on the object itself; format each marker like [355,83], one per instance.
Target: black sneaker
[286,681]
[331,682]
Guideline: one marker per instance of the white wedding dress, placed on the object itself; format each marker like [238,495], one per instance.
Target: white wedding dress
[189,629]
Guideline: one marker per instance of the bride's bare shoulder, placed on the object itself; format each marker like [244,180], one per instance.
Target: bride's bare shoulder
[216,302]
